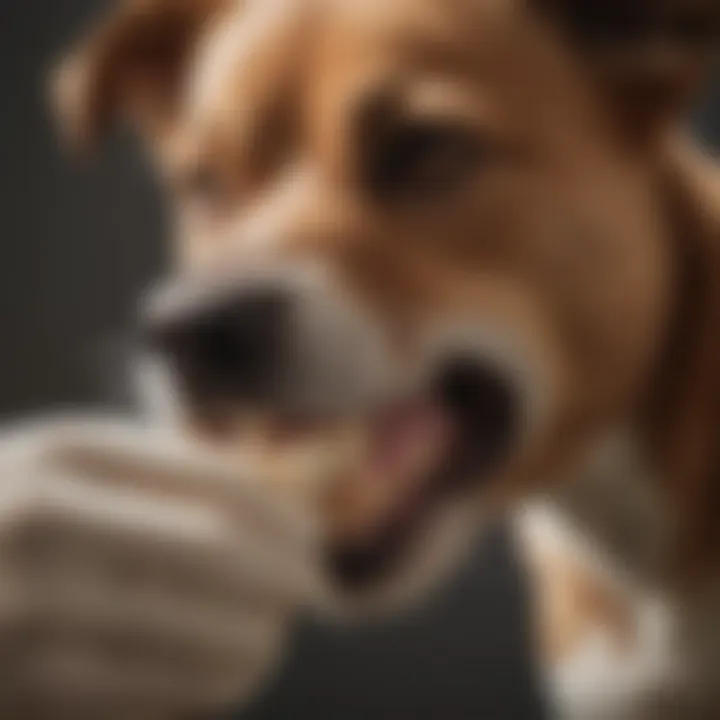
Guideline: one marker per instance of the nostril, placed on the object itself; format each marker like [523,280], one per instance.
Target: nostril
[230,347]
[242,337]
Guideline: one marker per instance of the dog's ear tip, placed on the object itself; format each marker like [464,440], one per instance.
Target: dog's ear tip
[69,97]
[114,73]
[652,56]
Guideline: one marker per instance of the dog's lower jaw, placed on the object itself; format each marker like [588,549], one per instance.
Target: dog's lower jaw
[443,545]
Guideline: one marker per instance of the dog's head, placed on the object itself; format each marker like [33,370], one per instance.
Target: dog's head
[435,218]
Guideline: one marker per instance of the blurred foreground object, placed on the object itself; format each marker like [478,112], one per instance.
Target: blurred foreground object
[140,578]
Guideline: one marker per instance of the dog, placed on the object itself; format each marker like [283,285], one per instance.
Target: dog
[472,228]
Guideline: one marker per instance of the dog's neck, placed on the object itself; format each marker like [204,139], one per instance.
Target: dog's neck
[680,421]
[646,496]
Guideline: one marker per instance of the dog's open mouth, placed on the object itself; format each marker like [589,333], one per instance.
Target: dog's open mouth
[381,480]
[422,454]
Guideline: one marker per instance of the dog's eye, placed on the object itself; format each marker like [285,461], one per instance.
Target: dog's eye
[421,160]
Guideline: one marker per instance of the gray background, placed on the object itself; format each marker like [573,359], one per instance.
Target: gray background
[77,245]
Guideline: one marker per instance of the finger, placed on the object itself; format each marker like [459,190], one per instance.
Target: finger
[145,623]
[167,463]
[80,682]
[78,532]
[211,648]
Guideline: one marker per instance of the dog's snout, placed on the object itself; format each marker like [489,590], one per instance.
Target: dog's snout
[228,347]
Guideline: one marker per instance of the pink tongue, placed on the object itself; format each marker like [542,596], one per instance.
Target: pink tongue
[405,447]
[407,443]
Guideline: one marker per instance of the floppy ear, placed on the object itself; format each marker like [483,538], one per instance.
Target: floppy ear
[651,56]
[130,65]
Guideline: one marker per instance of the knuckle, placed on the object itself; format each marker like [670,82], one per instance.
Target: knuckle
[56,441]
[59,439]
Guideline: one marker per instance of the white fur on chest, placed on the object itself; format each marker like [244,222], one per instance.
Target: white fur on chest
[609,517]
[610,510]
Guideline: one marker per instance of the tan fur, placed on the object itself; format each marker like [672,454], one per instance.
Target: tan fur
[589,230]
[573,604]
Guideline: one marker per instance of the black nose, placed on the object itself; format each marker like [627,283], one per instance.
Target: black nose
[229,348]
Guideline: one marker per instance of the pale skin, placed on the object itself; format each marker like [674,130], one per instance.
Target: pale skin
[140,577]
